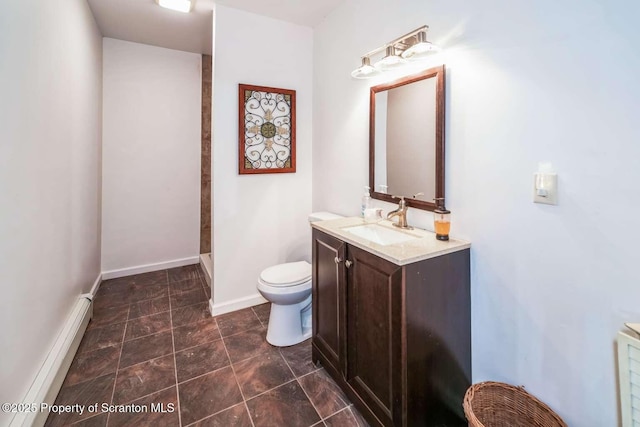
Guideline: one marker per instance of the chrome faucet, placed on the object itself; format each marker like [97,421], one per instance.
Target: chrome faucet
[401,213]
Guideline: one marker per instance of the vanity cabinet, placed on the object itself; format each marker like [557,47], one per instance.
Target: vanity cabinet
[397,339]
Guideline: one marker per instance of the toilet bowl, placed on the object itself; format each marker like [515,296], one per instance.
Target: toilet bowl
[288,287]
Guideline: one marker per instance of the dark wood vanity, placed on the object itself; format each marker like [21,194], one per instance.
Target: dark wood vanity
[396,338]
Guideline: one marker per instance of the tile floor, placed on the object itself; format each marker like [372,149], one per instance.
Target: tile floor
[152,341]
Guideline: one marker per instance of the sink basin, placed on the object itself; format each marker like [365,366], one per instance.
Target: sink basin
[381,235]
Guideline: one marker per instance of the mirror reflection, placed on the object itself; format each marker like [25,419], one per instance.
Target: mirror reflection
[406,151]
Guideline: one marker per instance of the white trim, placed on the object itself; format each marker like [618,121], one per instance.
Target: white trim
[96,286]
[47,383]
[205,265]
[114,274]
[236,304]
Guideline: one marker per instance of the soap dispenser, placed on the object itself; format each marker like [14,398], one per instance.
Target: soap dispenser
[441,220]
[366,201]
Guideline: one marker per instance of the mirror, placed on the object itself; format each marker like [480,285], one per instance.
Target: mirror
[406,139]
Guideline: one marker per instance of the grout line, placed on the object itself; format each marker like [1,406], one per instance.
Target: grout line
[337,412]
[313,405]
[142,397]
[145,361]
[206,373]
[149,315]
[197,345]
[115,379]
[214,414]
[175,363]
[244,400]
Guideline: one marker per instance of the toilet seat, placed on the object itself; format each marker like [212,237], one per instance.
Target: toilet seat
[286,275]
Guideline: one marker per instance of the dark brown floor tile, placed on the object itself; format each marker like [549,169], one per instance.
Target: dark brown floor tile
[114,285]
[144,378]
[93,364]
[183,299]
[146,308]
[192,284]
[286,405]
[185,273]
[148,325]
[324,393]
[299,358]
[97,338]
[104,301]
[208,394]
[236,416]
[192,313]
[152,278]
[156,418]
[263,311]
[146,348]
[199,360]
[146,292]
[348,417]
[238,321]
[95,421]
[262,373]
[97,390]
[107,316]
[197,333]
[247,344]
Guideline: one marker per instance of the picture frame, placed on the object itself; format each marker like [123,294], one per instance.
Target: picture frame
[266,130]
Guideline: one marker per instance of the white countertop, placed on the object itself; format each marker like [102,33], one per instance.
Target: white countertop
[425,246]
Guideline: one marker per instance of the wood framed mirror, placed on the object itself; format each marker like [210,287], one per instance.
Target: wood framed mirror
[406,139]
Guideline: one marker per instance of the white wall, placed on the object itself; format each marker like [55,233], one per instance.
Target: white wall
[526,82]
[258,220]
[151,155]
[50,136]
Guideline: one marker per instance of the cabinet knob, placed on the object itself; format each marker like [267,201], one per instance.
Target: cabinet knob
[348,263]
[337,260]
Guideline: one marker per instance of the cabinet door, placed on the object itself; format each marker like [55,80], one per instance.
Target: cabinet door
[374,353]
[328,296]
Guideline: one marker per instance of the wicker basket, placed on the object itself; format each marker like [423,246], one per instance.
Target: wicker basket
[493,404]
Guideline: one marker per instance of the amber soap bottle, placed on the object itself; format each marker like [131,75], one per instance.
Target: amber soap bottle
[441,220]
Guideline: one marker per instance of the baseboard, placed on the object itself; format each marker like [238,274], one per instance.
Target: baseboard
[114,274]
[205,265]
[96,286]
[48,381]
[236,304]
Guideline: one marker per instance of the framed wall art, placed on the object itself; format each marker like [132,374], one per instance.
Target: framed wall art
[267,130]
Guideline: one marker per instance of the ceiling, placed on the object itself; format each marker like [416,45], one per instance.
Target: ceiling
[143,21]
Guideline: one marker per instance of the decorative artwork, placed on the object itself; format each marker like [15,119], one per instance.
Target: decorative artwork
[267,134]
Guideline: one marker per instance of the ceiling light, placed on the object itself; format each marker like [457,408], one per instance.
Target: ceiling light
[390,60]
[178,5]
[365,71]
[421,49]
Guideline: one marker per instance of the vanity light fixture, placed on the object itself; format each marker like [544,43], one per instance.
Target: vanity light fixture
[177,5]
[408,48]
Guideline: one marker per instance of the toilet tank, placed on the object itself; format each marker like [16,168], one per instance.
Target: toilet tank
[323,216]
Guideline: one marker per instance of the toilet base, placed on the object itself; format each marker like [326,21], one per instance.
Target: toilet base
[289,324]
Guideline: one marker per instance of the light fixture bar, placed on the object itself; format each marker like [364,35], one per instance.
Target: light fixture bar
[393,42]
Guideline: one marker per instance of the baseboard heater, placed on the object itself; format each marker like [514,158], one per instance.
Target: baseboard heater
[47,383]
[629,374]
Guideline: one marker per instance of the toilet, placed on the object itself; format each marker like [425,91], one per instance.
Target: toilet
[288,288]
